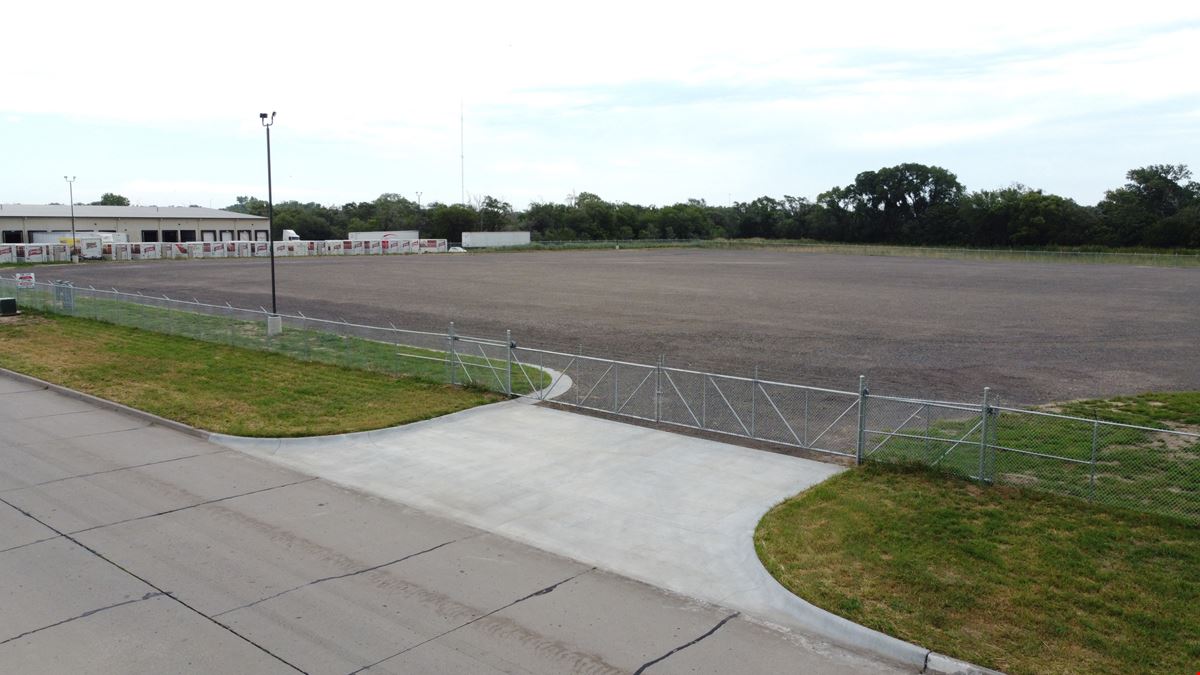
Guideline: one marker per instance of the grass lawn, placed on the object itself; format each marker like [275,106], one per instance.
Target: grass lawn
[1005,577]
[222,388]
[378,350]
[1133,468]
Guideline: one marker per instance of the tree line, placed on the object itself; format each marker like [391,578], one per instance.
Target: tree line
[1158,207]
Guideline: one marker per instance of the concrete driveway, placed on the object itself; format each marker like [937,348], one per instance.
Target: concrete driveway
[126,547]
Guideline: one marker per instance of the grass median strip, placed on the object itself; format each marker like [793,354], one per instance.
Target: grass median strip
[1005,577]
[383,350]
[218,387]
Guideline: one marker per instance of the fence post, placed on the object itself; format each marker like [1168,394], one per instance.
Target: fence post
[985,411]
[508,341]
[862,419]
[753,402]
[616,389]
[1092,482]
[450,353]
[658,390]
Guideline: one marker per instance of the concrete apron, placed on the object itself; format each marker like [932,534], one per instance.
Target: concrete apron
[673,511]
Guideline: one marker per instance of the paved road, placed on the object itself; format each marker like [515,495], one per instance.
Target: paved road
[674,511]
[1034,332]
[132,548]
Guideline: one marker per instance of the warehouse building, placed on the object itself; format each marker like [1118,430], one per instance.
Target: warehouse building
[20,222]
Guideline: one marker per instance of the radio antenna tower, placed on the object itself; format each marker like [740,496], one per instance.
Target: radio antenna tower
[462,158]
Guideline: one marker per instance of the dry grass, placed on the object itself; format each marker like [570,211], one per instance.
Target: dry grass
[220,388]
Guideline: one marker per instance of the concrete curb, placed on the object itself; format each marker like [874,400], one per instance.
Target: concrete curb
[821,622]
[142,415]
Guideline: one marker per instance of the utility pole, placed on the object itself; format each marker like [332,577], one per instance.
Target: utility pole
[71,191]
[267,122]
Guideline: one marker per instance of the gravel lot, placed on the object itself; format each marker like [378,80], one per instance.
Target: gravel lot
[1034,332]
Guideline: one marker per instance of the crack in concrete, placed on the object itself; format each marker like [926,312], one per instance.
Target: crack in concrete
[160,591]
[83,616]
[192,506]
[682,647]
[481,617]
[340,576]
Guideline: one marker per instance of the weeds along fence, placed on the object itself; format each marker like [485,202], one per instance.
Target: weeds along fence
[1144,468]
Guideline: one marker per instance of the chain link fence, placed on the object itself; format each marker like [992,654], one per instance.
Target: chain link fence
[1139,467]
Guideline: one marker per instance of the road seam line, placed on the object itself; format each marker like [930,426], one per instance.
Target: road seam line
[340,576]
[96,553]
[85,615]
[122,468]
[31,543]
[534,594]
[191,506]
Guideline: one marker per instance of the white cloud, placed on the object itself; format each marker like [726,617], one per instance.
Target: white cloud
[542,83]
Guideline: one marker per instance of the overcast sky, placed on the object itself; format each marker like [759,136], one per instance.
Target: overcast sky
[641,102]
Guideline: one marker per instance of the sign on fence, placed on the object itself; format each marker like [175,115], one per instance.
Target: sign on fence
[25,280]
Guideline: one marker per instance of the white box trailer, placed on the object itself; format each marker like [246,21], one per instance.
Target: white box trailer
[146,251]
[390,246]
[333,247]
[8,253]
[381,235]
[281,249]
[494,239]
[59,252]
[31,253]
[118,251]
[90,248]
[432,246]
[295,248]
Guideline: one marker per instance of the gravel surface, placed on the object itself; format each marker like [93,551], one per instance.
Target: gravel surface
[1034,332]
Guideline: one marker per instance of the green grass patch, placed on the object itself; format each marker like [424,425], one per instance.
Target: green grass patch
[1141,469]
[1159,409]
[1005,577]
[222,388]
[377,350]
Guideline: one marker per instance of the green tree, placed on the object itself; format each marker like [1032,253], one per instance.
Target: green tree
[249,205]
[450,221]
[111,199]
[909,203]
[1153,193]
[496,215]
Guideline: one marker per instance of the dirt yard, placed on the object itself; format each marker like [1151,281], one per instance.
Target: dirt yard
[1034,332]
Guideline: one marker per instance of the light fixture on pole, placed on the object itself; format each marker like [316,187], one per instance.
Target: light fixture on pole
[267,121]
[71,191]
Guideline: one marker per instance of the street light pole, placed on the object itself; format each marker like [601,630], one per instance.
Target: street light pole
[71,191]
[267,122]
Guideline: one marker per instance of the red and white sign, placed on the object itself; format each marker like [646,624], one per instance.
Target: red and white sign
[25,280]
